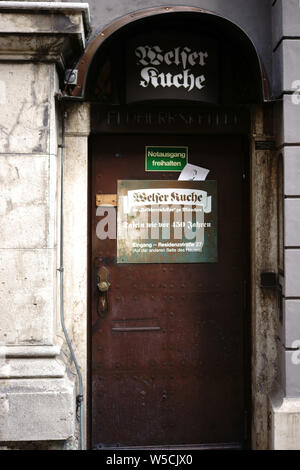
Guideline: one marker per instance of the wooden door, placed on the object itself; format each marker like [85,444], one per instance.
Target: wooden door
[168,359]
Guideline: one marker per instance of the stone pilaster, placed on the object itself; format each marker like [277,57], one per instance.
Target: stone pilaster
[37,41]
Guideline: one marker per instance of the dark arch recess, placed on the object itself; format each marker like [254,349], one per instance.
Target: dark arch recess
[252,74]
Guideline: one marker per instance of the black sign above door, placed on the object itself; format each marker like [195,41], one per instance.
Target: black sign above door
[172,67]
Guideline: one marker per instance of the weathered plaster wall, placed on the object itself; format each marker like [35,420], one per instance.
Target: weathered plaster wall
[76,229]
[264,253]
[28,178]
[28,191]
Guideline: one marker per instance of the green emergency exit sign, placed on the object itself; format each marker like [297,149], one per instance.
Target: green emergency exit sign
[166,158]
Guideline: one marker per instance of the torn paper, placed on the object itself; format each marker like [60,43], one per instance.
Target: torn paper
[193,173]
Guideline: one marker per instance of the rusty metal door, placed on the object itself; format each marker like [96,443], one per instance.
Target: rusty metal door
[168,359]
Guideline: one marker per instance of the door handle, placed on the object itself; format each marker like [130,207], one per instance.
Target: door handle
[103,287]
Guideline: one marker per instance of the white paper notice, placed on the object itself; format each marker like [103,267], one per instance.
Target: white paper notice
[193,173]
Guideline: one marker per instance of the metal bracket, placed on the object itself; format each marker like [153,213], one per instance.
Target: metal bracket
[269,280]
[106,200]
[265,145]
[71,76]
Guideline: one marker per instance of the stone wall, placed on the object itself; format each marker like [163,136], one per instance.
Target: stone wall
[37,387]
[285,400]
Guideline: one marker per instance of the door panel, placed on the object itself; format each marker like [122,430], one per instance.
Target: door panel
[168,358]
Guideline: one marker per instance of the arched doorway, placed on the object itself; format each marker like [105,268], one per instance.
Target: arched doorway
[170,360]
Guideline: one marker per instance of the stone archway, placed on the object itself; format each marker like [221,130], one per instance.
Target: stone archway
[78,129]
